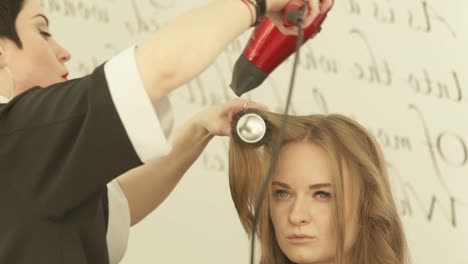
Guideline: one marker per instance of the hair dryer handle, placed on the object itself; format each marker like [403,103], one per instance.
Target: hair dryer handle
[291,15]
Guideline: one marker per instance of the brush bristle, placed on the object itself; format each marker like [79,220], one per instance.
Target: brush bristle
[266,137]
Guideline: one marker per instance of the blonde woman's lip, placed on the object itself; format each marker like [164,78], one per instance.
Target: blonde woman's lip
[300,238]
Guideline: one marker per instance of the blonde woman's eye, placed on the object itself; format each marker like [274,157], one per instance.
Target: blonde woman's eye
[323,195]
[281,193]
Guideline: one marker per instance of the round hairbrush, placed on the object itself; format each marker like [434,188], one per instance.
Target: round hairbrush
[250,127]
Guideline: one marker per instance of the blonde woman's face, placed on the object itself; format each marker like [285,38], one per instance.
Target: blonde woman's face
[301,205]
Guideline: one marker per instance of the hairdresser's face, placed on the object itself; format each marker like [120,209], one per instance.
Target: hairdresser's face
[301,205]
[41,62]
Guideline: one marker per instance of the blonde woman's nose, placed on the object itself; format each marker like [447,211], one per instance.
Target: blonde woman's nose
[300,213]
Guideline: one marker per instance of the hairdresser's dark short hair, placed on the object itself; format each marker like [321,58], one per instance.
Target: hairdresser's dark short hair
[9,10]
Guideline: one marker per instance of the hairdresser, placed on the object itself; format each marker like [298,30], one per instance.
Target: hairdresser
[62,141]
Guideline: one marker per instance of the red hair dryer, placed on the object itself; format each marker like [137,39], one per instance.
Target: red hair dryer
[266,49]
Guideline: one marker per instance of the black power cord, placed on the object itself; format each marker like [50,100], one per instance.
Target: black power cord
[296,18]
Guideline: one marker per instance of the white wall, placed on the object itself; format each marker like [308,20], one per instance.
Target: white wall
[413,95]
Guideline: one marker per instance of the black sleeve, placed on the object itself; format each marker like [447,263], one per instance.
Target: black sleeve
[105,207]
[61,145]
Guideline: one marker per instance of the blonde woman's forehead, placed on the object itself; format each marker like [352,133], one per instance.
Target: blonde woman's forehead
[303,163]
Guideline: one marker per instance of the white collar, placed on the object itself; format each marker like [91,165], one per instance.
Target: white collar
[4,100]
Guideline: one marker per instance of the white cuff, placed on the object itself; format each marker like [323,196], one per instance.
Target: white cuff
[4,100]
[118,227]
[135,107]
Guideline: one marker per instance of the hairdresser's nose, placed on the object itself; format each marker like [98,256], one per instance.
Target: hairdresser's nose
[300,213]
[62,54]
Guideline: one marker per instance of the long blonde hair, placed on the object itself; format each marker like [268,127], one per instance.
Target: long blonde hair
[380,237]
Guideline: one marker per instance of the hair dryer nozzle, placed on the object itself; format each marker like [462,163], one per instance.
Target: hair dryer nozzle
[266,49]
[246,76]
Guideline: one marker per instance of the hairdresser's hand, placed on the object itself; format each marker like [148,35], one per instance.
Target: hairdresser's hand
[315,7]
[217,119]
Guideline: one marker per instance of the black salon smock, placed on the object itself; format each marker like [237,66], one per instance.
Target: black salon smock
[59,147]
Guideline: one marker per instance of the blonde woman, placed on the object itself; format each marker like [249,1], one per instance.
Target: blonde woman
[329,199]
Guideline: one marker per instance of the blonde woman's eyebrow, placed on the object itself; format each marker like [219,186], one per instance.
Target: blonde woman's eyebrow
[280,184]
[319,185]
[312,186]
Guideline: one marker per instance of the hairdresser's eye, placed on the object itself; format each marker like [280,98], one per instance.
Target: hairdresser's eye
[46,35]
[281,193]
[322,195]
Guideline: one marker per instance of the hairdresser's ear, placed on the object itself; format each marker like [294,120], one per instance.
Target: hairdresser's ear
[2,55]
